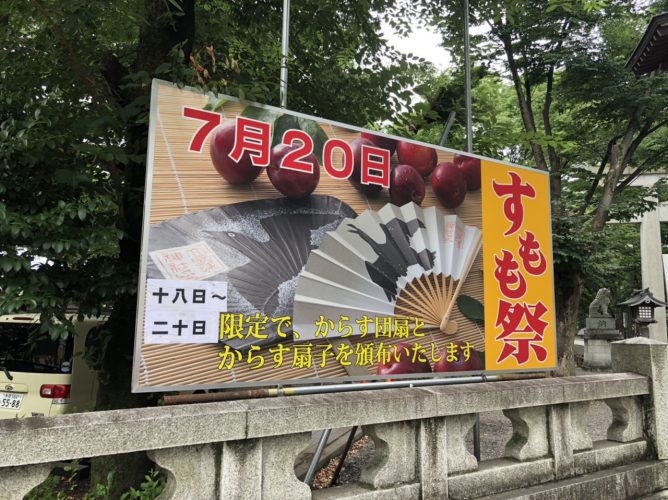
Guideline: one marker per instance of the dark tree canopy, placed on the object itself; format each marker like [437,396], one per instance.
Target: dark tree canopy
[73,124]
[74,86]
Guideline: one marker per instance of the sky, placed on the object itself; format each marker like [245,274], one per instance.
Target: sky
[422,42]
[425,42]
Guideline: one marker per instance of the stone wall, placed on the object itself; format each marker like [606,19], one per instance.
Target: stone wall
[247,449]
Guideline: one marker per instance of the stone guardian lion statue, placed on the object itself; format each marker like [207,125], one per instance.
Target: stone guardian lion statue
[599,306]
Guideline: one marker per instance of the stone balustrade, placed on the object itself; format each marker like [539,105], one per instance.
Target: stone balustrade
[247,449]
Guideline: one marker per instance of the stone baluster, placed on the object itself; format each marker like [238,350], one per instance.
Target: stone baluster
[279,481]
[529,440]
[626,419]
[190,471]
[459,458]
[394,461]
[648,357]
[263,468]
[560,437]
[250,469]
[422,451]
[580,437]
[433,453]
[16,482]
[240,469]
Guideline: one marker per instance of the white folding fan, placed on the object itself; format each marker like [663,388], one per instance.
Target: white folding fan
[399,261]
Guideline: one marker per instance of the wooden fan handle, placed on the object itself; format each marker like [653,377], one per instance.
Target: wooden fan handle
[467,268]
[446,316]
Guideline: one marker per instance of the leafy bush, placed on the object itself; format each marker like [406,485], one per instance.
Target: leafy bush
[65,486]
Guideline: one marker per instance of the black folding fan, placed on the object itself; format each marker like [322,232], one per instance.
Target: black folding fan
[264,244]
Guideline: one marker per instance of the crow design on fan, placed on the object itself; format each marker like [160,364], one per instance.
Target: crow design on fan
[398,261]
[264,244]
[386,272]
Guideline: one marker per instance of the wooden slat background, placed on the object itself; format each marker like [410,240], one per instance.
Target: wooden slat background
[186,182]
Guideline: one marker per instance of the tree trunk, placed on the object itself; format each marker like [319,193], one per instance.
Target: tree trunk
[568,296]
[526,111]
[114,392]
[166,27]
[620,156]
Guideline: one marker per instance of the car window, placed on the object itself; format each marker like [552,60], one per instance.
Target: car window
[23,348]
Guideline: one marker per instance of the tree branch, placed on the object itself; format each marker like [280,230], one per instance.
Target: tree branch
[629,179]
[657,126]
[618,154]
[528,96]
[525,110]
[555,165]
[642,135]
[597,178]
[547,124]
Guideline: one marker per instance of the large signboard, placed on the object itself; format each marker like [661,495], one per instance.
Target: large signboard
[280,248]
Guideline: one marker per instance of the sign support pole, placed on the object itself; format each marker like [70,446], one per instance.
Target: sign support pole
[448,126]
[285,43]
[469,149]
[467,75]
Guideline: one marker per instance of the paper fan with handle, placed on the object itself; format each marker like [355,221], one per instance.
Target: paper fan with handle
[260,247]
[398,261]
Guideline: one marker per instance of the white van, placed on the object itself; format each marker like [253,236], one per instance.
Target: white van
[42,377]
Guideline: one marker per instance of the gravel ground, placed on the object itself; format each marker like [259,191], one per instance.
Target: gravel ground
[361,453]
[495,431]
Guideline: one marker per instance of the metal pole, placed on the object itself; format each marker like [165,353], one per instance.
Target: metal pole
[316,457]
[448,126]
[285,43]
[469,149]
[295,391]
[476,437]
[323,389]
[342,459]
[467,73]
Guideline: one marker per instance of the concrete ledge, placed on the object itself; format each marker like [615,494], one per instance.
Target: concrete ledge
[41,440]
[355,492]
[494,476]
[81,435]
[607,454]
[325,411]
[476,398]
[628,481]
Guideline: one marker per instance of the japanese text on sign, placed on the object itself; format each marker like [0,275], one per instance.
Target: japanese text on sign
[240,326]
[254,137]
[320,355]
[521,324]
[518,282]
[183,311]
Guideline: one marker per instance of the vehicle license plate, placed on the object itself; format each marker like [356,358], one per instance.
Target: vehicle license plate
[10,400]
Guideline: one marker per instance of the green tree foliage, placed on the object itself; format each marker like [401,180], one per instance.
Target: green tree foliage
[497,132]
[74,92]
[614,265]
[585,119]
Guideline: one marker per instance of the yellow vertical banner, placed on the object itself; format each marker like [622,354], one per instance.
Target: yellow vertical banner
[520,329]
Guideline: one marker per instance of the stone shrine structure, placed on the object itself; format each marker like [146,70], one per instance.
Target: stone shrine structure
[599,332]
